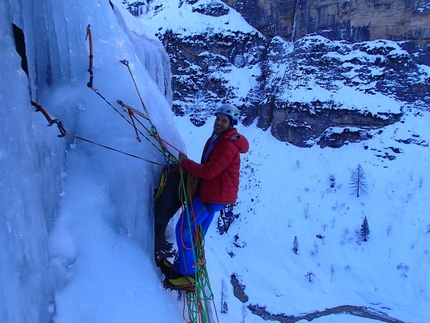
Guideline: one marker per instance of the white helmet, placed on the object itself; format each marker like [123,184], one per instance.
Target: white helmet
[230,111]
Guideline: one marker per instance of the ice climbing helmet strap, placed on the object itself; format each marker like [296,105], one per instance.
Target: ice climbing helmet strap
[229,110]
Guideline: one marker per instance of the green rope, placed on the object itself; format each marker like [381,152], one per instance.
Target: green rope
[197,302]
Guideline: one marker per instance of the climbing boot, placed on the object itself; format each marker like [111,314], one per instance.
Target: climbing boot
[187,283]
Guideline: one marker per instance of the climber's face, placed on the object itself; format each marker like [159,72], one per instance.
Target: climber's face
[222,124]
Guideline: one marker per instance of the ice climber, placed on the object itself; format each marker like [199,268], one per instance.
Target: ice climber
[219,185]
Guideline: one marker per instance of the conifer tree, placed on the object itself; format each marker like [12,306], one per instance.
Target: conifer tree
[310,275]
[224,304]
[364,231]
[332,180]
[224,308]
[295,245]
[358,181]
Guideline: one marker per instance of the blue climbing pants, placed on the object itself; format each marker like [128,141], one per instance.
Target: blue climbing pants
[195,215]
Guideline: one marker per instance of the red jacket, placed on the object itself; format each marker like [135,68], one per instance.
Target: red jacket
[220,173]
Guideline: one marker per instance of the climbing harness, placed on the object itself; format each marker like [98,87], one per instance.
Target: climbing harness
[163,179]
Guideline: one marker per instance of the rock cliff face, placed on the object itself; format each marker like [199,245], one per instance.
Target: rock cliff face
[324,68]
[263,72]
[352,20]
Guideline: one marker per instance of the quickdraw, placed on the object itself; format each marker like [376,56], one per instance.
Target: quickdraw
[131,111]
[130,108]
[51,121]
[126,63]
[63,133]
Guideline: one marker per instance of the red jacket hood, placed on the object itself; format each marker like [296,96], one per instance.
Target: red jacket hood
[239,140]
